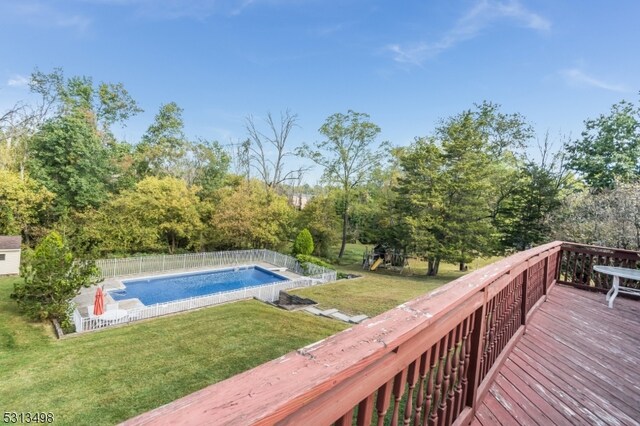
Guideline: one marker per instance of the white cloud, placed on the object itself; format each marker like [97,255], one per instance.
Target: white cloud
[18,81]
[484,14]
[577,77]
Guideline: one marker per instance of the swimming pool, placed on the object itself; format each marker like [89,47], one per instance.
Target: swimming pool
[167,288]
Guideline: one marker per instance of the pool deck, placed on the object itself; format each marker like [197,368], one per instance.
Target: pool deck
[87,295]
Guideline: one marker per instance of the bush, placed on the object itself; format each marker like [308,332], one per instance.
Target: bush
[303,244]
[305,259]
[52,277]
[320,218]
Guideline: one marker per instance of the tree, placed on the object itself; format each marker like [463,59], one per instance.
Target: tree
[609,149]
[208,166]
[70,160]
[609,217]
[23,202]
[57,97]
[347,156]
[505,134]
[52,277]
[523,218]
[109,103]
[272,171]
[249,216]
[116,228]
[165,205]
[69,152]
[165,151]
[101,106]
[375,217]
[445,190]
[164,145]
[121,162]
[320,218]
[17,125]
[157,215]
[303,244]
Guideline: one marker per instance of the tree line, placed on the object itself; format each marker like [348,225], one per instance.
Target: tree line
[469,188]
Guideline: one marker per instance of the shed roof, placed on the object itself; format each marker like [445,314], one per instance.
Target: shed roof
[8,242]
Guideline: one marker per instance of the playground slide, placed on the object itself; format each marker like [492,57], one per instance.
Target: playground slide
[376,264]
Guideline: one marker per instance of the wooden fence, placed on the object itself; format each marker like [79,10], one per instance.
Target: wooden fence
[428,361]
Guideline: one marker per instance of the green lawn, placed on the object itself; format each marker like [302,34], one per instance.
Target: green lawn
[370,295]
[381,290]
[109,376]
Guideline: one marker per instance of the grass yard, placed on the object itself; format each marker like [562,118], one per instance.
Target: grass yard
[372,294]
[381,290]
[109,376]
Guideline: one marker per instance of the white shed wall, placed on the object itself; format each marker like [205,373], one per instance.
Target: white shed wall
[11,263]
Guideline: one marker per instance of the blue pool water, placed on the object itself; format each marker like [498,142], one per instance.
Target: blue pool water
[176,287]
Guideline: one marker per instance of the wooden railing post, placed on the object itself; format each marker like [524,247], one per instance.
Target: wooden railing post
[365,411]
[545,278]
[476,352]
[523,304]
[559,264]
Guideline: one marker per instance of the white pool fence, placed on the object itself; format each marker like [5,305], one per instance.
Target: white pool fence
[137,265]
[111,268]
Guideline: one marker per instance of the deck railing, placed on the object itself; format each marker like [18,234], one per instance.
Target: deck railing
[428,361]
[577,262]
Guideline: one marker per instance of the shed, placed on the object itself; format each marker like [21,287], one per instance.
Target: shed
[10,255]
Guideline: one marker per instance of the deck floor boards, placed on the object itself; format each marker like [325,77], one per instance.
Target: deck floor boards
[577,363]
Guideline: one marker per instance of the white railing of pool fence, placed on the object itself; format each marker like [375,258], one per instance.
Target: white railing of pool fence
[266,292]
[78,320]
[136,265]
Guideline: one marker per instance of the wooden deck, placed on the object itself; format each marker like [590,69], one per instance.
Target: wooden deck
[577,363]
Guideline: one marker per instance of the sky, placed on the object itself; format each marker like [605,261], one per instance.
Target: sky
[407,64]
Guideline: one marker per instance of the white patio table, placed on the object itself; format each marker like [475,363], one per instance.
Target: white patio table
[617,273]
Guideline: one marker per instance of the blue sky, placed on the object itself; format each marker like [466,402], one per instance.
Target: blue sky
[406,63]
